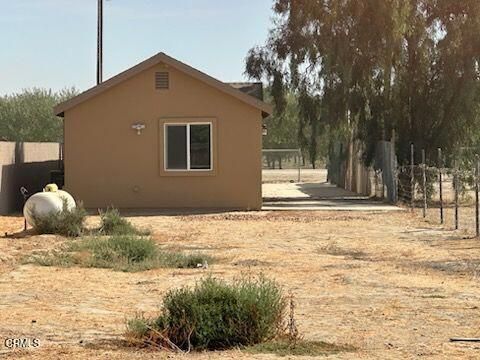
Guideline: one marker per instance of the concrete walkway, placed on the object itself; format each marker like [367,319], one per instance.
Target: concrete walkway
[317,196]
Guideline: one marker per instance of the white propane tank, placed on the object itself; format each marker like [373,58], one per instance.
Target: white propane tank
[49,201]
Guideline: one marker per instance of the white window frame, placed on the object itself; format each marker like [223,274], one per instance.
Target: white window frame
[165,146]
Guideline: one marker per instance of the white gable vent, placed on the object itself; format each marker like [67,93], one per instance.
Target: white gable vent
[162,80]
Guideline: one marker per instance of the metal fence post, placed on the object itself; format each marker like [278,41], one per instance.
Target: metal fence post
[412,176]
[440,180]
[477,224]
[424,175]
[299,159]
[394,168]
[455,185]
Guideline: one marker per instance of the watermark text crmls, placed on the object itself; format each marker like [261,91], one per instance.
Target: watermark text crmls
[21,343]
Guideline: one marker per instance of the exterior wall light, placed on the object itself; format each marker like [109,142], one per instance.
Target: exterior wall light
[138,128]
[264,130]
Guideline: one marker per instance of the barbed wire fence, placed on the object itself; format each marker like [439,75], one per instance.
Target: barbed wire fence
[442,193]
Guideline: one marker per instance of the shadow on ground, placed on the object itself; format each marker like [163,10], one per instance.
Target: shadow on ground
[318,196]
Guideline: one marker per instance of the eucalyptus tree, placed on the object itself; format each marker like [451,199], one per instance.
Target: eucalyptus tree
[367,67]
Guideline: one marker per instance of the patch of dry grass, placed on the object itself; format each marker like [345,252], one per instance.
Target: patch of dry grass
[127,253]
[339,300]
[470,267]
[301,348]
[335,250]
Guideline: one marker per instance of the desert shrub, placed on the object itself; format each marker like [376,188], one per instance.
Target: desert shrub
[112,223]
[122,248]
[138,327]
[215,315]
[64,222]
[119,252]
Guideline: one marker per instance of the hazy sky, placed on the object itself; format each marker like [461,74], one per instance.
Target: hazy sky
[52,43]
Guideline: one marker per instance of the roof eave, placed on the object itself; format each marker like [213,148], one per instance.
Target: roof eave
[58,112]
[267,112]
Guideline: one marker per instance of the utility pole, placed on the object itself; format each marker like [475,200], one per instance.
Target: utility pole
[100,43]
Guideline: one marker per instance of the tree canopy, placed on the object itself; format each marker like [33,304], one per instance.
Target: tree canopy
[28,116]
[282,127]
[286,131]
[367,67]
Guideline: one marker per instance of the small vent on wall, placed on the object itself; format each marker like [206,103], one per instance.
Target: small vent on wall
[162,80]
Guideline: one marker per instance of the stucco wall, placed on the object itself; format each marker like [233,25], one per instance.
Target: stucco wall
[107,163]
[24,164]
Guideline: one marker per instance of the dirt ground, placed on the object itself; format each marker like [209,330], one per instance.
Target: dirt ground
[313,193]
[390,284]
[291,175]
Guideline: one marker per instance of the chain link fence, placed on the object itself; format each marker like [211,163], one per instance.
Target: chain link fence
[282,165]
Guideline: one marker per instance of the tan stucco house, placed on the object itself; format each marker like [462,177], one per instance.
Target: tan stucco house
[164,135]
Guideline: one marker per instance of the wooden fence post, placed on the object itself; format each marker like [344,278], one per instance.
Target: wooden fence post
[424,175]
[412,176]
[477,209]
[455,185]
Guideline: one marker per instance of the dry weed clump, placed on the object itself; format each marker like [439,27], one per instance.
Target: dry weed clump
[112,223]
[69,223]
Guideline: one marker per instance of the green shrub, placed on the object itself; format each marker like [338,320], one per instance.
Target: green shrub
[64,222]
[138,327]
[216,315]
[119,252]
[126,249]
[112,223]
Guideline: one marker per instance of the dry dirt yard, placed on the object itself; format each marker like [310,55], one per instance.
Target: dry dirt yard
[389,284]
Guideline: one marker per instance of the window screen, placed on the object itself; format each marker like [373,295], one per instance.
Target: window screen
[177,147]
[200,156]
